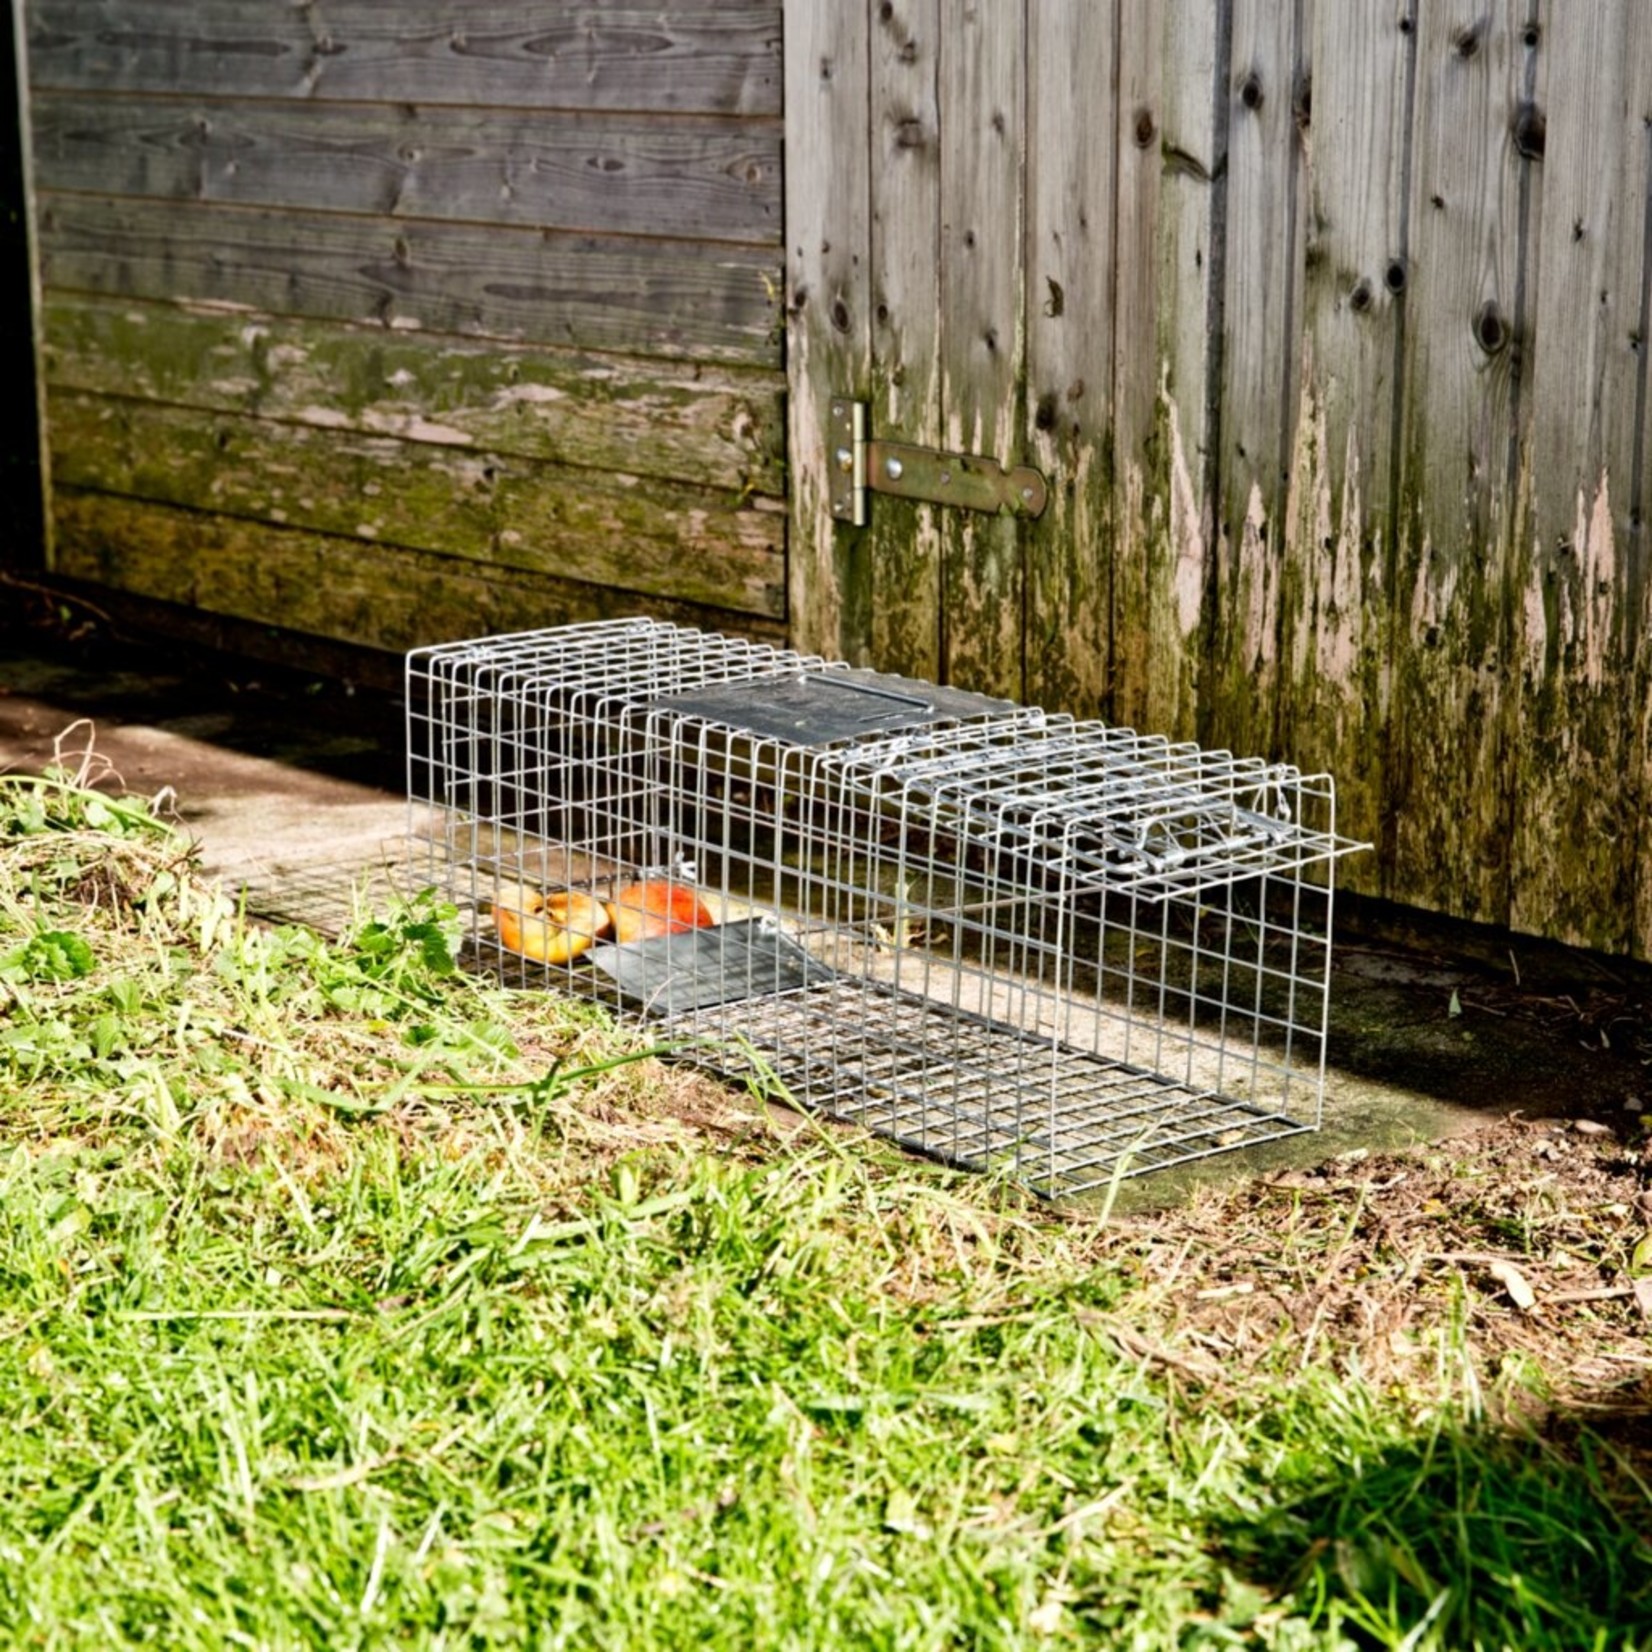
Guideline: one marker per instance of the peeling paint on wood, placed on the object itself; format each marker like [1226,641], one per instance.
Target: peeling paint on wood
[1580,846]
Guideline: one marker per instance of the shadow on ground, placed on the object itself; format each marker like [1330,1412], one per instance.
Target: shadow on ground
[1489,1536]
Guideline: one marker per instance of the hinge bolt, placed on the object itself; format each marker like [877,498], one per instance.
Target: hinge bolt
[894,468]
[845,460]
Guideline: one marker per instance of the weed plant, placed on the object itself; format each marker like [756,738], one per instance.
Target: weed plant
[349,1302]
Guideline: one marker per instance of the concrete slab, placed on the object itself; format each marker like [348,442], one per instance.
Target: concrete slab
[292,788]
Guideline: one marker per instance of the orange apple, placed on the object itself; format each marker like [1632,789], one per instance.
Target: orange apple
[553,929]
[656,907]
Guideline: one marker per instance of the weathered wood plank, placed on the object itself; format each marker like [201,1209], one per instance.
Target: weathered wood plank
[1182,556]
[1165,562]
[340,588]
[1334,585]
[1578,754]
[1137,442]
[903,537]
[721,427]
[666,298]
[719,58]
[658,538]
[1072,159]
[828,301]
[628,174]
[983,125]
[1261,366]
[1465,284]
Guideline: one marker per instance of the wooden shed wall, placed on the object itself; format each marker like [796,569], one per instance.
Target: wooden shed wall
[397,322]
[1328,322]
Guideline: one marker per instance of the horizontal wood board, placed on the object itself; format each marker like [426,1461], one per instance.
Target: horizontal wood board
[333,587]
[707,56]
[689,422]
[713,179]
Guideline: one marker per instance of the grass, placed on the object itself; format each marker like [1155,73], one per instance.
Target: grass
[349,1302]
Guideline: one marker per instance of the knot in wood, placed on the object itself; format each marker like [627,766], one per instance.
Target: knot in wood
[1531,131]
[1491,331]
[1465,42]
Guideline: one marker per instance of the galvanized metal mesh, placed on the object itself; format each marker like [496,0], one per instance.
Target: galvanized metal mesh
[1003,937]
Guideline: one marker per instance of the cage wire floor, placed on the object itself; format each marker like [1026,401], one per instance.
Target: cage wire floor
[748,1004]
[865,1054]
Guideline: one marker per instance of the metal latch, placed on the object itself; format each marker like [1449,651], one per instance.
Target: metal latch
[860,466]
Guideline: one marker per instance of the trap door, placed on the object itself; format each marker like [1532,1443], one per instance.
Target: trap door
[956,180]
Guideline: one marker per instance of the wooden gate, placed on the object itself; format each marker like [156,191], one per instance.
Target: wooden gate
[1326,324]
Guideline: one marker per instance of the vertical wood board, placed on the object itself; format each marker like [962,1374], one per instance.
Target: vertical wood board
[1070,284]
[828,291]
[1138,507]
[1261,366]
[1580,851]
[1334,580]
[903,542]
[982,354]
[1474,188]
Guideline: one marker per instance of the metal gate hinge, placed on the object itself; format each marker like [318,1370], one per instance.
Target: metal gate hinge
[860,466]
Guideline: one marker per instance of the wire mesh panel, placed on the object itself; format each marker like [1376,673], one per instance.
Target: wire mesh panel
[999,936]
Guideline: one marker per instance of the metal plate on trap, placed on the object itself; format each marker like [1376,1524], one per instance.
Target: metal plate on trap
[698,968]
[819,708]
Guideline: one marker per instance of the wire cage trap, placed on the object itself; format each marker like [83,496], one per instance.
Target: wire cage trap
[1002,937]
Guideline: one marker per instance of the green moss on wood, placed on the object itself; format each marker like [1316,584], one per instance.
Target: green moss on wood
[661,538]
[713,426]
